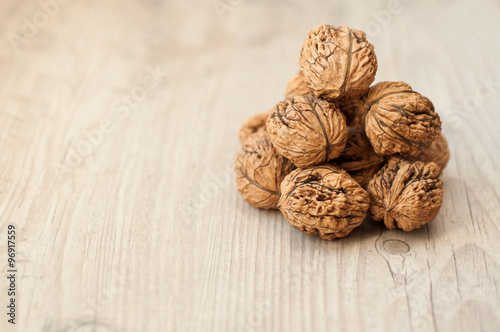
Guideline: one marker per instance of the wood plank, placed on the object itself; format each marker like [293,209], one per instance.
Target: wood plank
[118,129]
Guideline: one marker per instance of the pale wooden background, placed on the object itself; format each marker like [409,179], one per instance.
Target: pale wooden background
[145,231]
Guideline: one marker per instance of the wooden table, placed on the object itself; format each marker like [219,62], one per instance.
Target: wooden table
[118,127]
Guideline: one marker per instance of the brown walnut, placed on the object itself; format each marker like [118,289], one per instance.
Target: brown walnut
[337,62]
[323,200]
[358,158]
[406,194]
[260,171]
[255,123]
[398,120]
[296,86]
[352,108]
[306,130]
[437,152]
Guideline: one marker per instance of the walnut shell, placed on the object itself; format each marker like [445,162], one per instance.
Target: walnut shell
[296,86]
[323,200]
[399,120]
[437,152]
[260,171]
[337,62]
[406,194]
[358,158]
[352,108]
[255,123]
[306,130]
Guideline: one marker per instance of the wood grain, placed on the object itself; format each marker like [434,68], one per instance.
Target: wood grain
[118,128]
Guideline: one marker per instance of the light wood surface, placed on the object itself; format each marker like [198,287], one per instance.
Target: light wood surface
[118,127]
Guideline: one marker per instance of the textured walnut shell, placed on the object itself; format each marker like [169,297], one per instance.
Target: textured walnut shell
[352,108]
[307,131]
[323,200]
[406,194]
[337,62]
[399,120]
[437,152]
[296,86]
[358,158]
[255,123]
[260,171]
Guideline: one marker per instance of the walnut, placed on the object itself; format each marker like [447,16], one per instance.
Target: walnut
[437,152]
[348,106]
[255,123]
[296,86]
[306,130]
[337,62]
[358,158]
[323,200]
[260,171]
[406,194]
[399,120]
[352,108]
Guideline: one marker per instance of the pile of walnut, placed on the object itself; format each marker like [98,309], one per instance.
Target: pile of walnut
[336,147]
